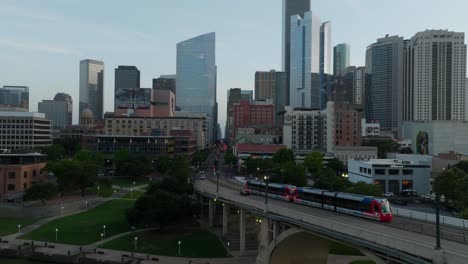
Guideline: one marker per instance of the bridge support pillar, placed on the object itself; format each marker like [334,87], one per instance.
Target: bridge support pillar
[226,210]
[211,206]
[262,256]
[242,232]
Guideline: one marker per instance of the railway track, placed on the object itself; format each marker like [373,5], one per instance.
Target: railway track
[448,233]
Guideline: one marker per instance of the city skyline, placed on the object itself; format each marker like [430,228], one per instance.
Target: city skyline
[58,49]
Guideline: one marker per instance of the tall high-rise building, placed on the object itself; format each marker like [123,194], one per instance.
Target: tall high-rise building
[305,60]
[126,77]
[290,8]
[350,86]
[247,95]
[326,48]
[92,87]
[14,98]
[196,78]
[341,53]
[272,85]
[435,77]
[384,84]
[59,111]
[165,82]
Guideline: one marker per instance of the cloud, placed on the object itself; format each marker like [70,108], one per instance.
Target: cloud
[29,46]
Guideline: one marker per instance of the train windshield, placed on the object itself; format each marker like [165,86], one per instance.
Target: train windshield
[385,207]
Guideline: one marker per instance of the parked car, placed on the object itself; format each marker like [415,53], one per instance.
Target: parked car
[388,194]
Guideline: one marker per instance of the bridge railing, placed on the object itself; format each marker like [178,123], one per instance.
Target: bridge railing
[430,218]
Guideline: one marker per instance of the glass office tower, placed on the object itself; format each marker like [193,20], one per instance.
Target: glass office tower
[14,98]
[304,81]
[92,87]
[341,54]
[196,78]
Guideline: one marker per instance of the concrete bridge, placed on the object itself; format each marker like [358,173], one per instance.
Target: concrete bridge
[292,233]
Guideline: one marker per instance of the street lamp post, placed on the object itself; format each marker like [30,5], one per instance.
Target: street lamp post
[61,210]
[229,251]
[104,230]
[179,247]
[131,193]
[86,204]
[56,234]
[265,178]
[19,228]
[437,247]
[102,236]
[98,190]
[134,184]
[136,239]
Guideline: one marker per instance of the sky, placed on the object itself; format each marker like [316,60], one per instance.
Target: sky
[42,42]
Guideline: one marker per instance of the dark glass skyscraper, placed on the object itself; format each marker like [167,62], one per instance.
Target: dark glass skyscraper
[196,78]
[384,83]
[291,7]
[341,54]
[126,77]
[92,87]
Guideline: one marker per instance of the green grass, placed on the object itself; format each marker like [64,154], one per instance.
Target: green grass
[199,244]
[341,249]
[136,194]
[128,182]
[85,228]
[363,262]
[104,190]
[10,225]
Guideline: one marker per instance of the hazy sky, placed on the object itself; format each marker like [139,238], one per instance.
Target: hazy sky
[41,42]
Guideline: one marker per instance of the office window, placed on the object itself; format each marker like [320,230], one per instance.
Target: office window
[11,175]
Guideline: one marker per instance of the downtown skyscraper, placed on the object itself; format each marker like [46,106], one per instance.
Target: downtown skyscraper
[435,77]
[305,61]
[341,54]
[196,78]
[92,87]
[126,77]
[384,84]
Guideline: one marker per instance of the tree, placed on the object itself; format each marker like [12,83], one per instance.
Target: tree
[54,152]
[363,188]
[314,163]
[40,191]
[230,158]
[383,146]
[336,164]
[163,164]
[453,183]
[462,165]
[295,174]
[130,164]
[75,174]
[328,180]
[283,155]
[70,145]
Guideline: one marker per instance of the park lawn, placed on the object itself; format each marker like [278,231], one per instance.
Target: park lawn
[104,190]
[128,182]
[9,225]
[133,195]
[85,228]
[345,250]
[199,244]
[363,262]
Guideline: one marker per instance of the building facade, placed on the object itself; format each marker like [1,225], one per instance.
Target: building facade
[273,85]
[145,102]
[24,131]
[304,61]
[125,77]
[384,84]
[290,8]
[59,111]
[165,83]
[140,126]
[196,78]
[392,175]
[14,98]
[92,87]
[307,130]
[347,122]
[19,172]
[341,54]
[436,137]
[435,76]
[370,129]
[354,153]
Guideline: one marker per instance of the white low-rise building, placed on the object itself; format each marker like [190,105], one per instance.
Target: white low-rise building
[370,129]
[393,175]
